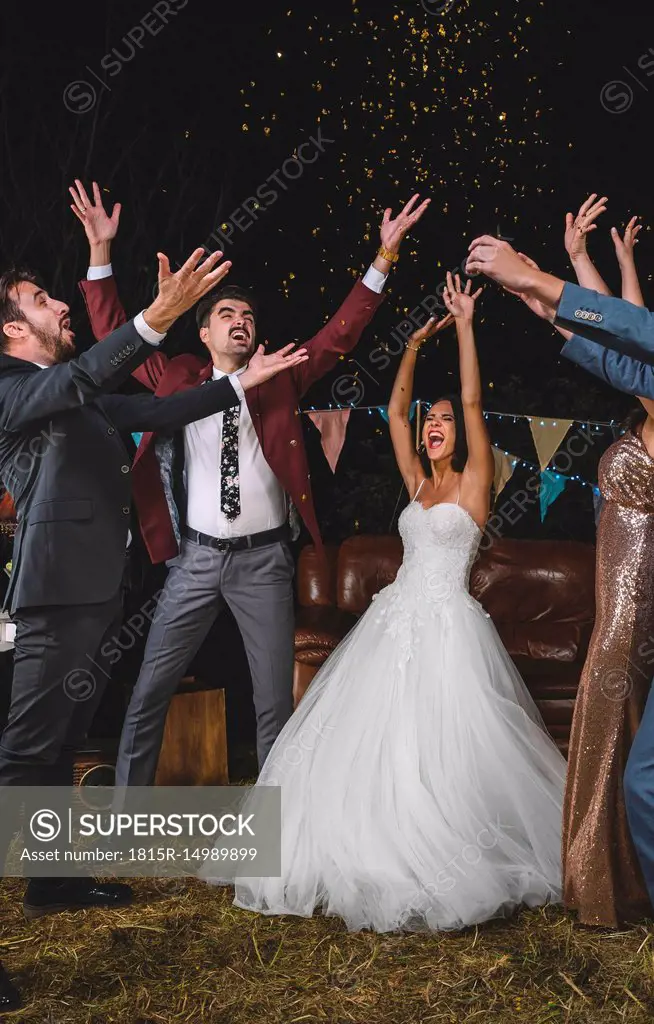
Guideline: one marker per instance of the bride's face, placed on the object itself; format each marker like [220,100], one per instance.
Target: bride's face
[439,432]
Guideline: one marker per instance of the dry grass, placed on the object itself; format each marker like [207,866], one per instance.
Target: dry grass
[186,955]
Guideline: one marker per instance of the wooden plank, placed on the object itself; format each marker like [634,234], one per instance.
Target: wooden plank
[194,750]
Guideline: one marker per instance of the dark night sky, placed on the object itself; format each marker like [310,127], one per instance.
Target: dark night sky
[491,108]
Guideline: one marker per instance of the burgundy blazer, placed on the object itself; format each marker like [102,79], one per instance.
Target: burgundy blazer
[273,406]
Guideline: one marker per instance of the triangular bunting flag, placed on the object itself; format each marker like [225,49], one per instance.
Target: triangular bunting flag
[332,426]
[383,409]
[504,467]
[551,485]
[547,435]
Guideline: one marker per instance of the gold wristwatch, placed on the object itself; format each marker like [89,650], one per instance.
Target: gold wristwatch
[386,254]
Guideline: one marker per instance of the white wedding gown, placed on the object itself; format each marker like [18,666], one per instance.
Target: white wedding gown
[419,787]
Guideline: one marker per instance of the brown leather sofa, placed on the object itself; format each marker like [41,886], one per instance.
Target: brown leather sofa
[540,595]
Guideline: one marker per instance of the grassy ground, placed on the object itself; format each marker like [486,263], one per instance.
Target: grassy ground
[186,955]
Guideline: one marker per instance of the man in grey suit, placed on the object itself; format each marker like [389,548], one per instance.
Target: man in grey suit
[64,463]
[614,340]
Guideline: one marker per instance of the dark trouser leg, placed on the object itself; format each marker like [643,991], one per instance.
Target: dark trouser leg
[258,587]
[188,606]
[639,793]
[57,685]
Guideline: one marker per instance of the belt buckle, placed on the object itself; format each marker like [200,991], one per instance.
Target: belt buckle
[221,545]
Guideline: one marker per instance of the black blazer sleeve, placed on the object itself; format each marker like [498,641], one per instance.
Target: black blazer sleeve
[146,412]
[28,395]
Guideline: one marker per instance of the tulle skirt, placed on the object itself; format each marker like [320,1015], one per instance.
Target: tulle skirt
[420,789]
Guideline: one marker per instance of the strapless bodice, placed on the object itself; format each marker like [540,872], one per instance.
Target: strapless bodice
[440,543]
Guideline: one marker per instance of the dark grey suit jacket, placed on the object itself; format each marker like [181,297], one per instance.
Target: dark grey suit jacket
[64,463]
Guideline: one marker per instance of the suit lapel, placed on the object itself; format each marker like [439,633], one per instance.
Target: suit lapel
[178,377]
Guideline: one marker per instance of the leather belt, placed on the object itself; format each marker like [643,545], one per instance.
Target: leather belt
[253,540]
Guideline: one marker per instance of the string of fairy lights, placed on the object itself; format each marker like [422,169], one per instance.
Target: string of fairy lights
[594,426]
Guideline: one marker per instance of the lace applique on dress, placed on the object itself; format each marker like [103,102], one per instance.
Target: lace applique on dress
[440,545]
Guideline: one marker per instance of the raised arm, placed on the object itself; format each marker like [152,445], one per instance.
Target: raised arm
[28,395]
[100,227]
[343,331]
[611,322]
[99,290]
[399,406]
[480,468]
[620,371]
[576,231]
[624,250]
[147,412]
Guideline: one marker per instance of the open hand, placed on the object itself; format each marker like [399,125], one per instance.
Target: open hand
[393,230]
[461,304]
[178,292]
[576,228]
[433,326]
[262,367]
[624,247]
[99,226]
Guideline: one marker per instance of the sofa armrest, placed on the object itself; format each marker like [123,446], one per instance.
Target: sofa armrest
[318,631]
[316,577]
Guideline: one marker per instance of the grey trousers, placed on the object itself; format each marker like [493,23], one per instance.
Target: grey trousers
[257,585]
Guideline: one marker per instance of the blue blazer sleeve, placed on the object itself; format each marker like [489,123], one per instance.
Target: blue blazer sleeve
[613,323]
[620,371]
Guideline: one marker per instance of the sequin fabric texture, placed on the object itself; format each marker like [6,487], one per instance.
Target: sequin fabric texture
[602,877]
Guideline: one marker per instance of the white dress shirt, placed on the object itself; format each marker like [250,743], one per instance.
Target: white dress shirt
[263,500]
[264,503]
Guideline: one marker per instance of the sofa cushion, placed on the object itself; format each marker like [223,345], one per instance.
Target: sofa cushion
[544,641]
[557,713]
[551,680]
[531,581]
[366,564]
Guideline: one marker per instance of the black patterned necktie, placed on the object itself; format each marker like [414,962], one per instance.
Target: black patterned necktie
[230,494]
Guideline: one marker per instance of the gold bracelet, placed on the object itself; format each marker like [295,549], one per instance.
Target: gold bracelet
[386,254]
[414,348]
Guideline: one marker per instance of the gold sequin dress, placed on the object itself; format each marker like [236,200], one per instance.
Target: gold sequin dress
[602,877]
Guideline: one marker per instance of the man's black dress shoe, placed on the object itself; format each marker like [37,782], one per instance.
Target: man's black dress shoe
[9,995]
[52,895]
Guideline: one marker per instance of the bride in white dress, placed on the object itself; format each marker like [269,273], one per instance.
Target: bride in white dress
[420,789]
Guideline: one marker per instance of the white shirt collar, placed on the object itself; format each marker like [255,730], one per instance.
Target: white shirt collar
[218,374]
